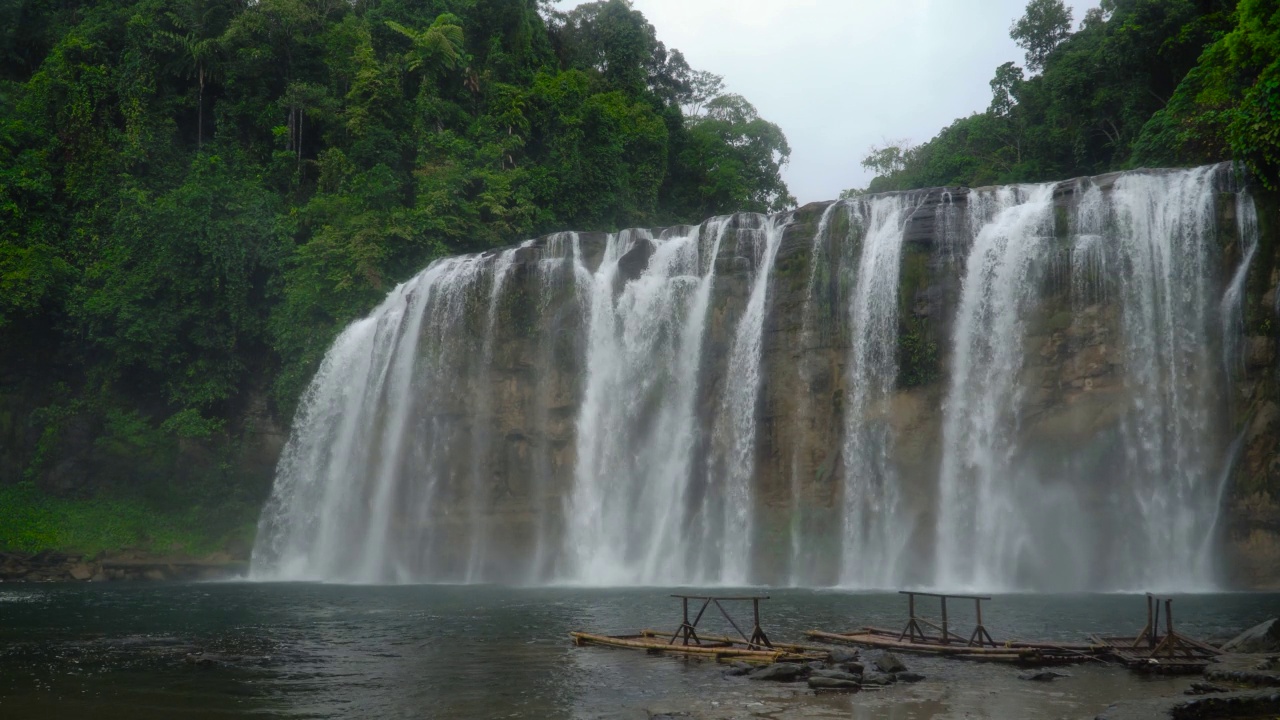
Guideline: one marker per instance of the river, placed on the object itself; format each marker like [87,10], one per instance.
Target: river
[298,650]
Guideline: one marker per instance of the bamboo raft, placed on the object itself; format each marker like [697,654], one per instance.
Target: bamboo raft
[718,651]
[978,646]
[756,648]
[1149,652]
[1029,654]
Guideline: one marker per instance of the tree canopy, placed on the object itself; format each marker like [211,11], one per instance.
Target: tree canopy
[1140,82]
[196,194]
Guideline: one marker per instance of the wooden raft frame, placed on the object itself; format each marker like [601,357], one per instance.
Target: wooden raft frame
[1148,651]
[756,647]
[980,645]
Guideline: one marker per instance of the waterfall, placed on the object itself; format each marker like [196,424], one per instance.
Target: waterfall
[723,404]
[368,413]
[801,565]
[737,420]
[1173,450]
[627,519]
[1233,300]
[983,502]
[875,531]
[481,446]
[1128,509]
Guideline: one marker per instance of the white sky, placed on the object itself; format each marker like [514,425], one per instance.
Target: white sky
[842,75]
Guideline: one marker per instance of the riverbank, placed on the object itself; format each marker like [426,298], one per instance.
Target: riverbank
[53,566]
[121,536]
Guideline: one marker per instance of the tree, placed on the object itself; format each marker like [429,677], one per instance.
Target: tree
[197,24]
[734,159]
[437,47]
[1004,89]
[888,158]
[1044,26]
[613,39]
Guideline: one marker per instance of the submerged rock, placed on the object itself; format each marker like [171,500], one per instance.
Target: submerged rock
[1204,688]
[200,660]
[908,677]
[1042,675]
[738,669]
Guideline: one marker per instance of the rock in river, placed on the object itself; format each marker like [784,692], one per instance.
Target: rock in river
[890,663]
[1041,675]
[828,683]
[778,672]
[1264,638]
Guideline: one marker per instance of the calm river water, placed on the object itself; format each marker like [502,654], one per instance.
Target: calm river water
[328,651]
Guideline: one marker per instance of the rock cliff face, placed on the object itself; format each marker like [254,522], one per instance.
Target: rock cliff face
[523,439]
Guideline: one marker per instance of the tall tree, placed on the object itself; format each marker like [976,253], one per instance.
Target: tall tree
[1044,26]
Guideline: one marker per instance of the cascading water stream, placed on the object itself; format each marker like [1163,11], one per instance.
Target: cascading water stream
[982,517]
[737,420]
[875,530]
[362,416]
[800,565]
[562,263]
[1166,231]
[1233,300]
[481,446]
[627,517]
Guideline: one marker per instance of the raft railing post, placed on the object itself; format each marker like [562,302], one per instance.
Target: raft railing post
[946,635]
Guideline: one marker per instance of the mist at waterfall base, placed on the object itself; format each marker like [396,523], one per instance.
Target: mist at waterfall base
[595,409]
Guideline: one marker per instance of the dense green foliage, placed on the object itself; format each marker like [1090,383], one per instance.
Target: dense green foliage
[196,194]
[1141,82]
[32,521]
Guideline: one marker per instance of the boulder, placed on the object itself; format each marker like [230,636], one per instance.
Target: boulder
[81,572]
[632,265]
[880,679]
[777,672]
[1204,688]
[738,669]
[890,663]
[841,655]
[856,668]
[827,683]
[1263,638]
[1259,352]
[837,675]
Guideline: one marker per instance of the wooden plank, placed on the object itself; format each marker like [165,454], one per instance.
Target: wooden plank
[879,641]
[1000,644]
[943,595]
[794,647]
[710,651]
[722,597]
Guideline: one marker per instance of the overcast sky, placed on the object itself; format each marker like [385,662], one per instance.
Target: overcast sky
[841,75]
